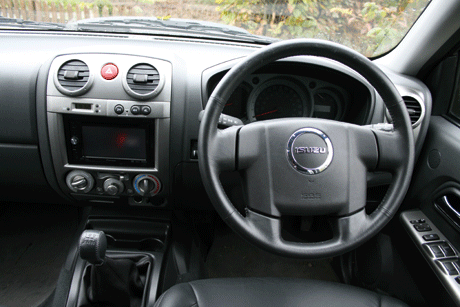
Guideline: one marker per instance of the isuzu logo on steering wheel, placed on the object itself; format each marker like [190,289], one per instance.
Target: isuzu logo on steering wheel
[309,151]
[312,150]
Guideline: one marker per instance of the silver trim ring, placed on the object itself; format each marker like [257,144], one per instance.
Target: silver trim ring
[149,95]
[78,92]
[296,165]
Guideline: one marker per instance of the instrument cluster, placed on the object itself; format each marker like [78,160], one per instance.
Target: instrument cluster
[270,96]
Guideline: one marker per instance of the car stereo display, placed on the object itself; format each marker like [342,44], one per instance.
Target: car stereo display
[109,141]
[114,143]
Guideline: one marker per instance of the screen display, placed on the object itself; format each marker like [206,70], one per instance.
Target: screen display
[114,142]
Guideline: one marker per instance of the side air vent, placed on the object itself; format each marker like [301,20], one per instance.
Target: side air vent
[143,81]
[415,110]
[73,78]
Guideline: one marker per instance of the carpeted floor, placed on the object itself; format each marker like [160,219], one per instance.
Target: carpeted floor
[231,256]
[34,241]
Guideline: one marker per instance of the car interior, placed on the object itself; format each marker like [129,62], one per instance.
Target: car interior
[160,170]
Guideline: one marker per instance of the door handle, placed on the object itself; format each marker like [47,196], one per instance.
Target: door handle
[449,205]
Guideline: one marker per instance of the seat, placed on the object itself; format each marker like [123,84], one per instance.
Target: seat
[271,292]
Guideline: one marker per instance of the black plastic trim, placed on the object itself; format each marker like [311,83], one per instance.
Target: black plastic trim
[42,128]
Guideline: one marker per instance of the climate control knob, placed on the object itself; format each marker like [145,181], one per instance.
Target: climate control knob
[113,186]
[146,185]
[80,181]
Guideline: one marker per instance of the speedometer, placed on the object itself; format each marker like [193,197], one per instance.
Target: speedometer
[278,98]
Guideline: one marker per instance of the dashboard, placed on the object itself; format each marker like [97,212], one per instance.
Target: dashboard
[97,120]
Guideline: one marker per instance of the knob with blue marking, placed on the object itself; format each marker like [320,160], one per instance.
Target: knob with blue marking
[146,185]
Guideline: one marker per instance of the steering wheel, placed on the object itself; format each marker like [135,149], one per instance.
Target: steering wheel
[306,166]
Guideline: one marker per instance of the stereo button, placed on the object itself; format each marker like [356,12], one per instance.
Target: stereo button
[135,110]
[146,110]
[119,109]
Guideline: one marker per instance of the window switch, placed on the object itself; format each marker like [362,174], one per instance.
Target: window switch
[431,237]
[436,251]
[449,268]
[422,227]
[448,251]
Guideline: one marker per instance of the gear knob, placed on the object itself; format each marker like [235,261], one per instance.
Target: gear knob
[93,245]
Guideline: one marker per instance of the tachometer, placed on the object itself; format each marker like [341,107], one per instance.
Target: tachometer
[278,98]
[236,105]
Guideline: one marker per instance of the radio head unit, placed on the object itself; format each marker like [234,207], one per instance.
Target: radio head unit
[107,141]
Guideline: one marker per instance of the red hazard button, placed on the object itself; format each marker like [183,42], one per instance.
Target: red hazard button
[109,71]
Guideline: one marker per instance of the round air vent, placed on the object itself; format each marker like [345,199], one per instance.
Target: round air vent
[415,109]
[143,81]
[73,78]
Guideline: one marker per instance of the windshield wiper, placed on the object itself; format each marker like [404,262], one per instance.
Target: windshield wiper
[27,24]
[149,25]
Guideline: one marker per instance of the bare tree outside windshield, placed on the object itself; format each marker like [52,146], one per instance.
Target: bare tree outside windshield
[370,27]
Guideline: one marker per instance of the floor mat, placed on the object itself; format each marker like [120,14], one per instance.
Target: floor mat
[34,241]
[231,256]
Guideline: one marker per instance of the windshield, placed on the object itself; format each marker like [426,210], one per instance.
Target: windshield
[370,27]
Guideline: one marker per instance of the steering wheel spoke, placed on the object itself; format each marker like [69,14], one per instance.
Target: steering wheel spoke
[222,149]
[348,228]
[392,154]
[268,231]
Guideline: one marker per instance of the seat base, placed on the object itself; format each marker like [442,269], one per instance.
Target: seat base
[264,292]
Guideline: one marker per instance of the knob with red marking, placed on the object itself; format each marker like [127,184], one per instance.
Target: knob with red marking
[146,185]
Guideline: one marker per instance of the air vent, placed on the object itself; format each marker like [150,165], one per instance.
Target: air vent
[143,81]
[414,108]
[73,78]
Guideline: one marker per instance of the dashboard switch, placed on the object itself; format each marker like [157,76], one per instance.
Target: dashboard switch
[109,71]
[135,110]
[119,109]
[146,110]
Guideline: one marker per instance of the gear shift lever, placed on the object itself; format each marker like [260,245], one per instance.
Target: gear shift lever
[93,244]
[114,281]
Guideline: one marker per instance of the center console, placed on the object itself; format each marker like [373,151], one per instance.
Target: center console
[108,124]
